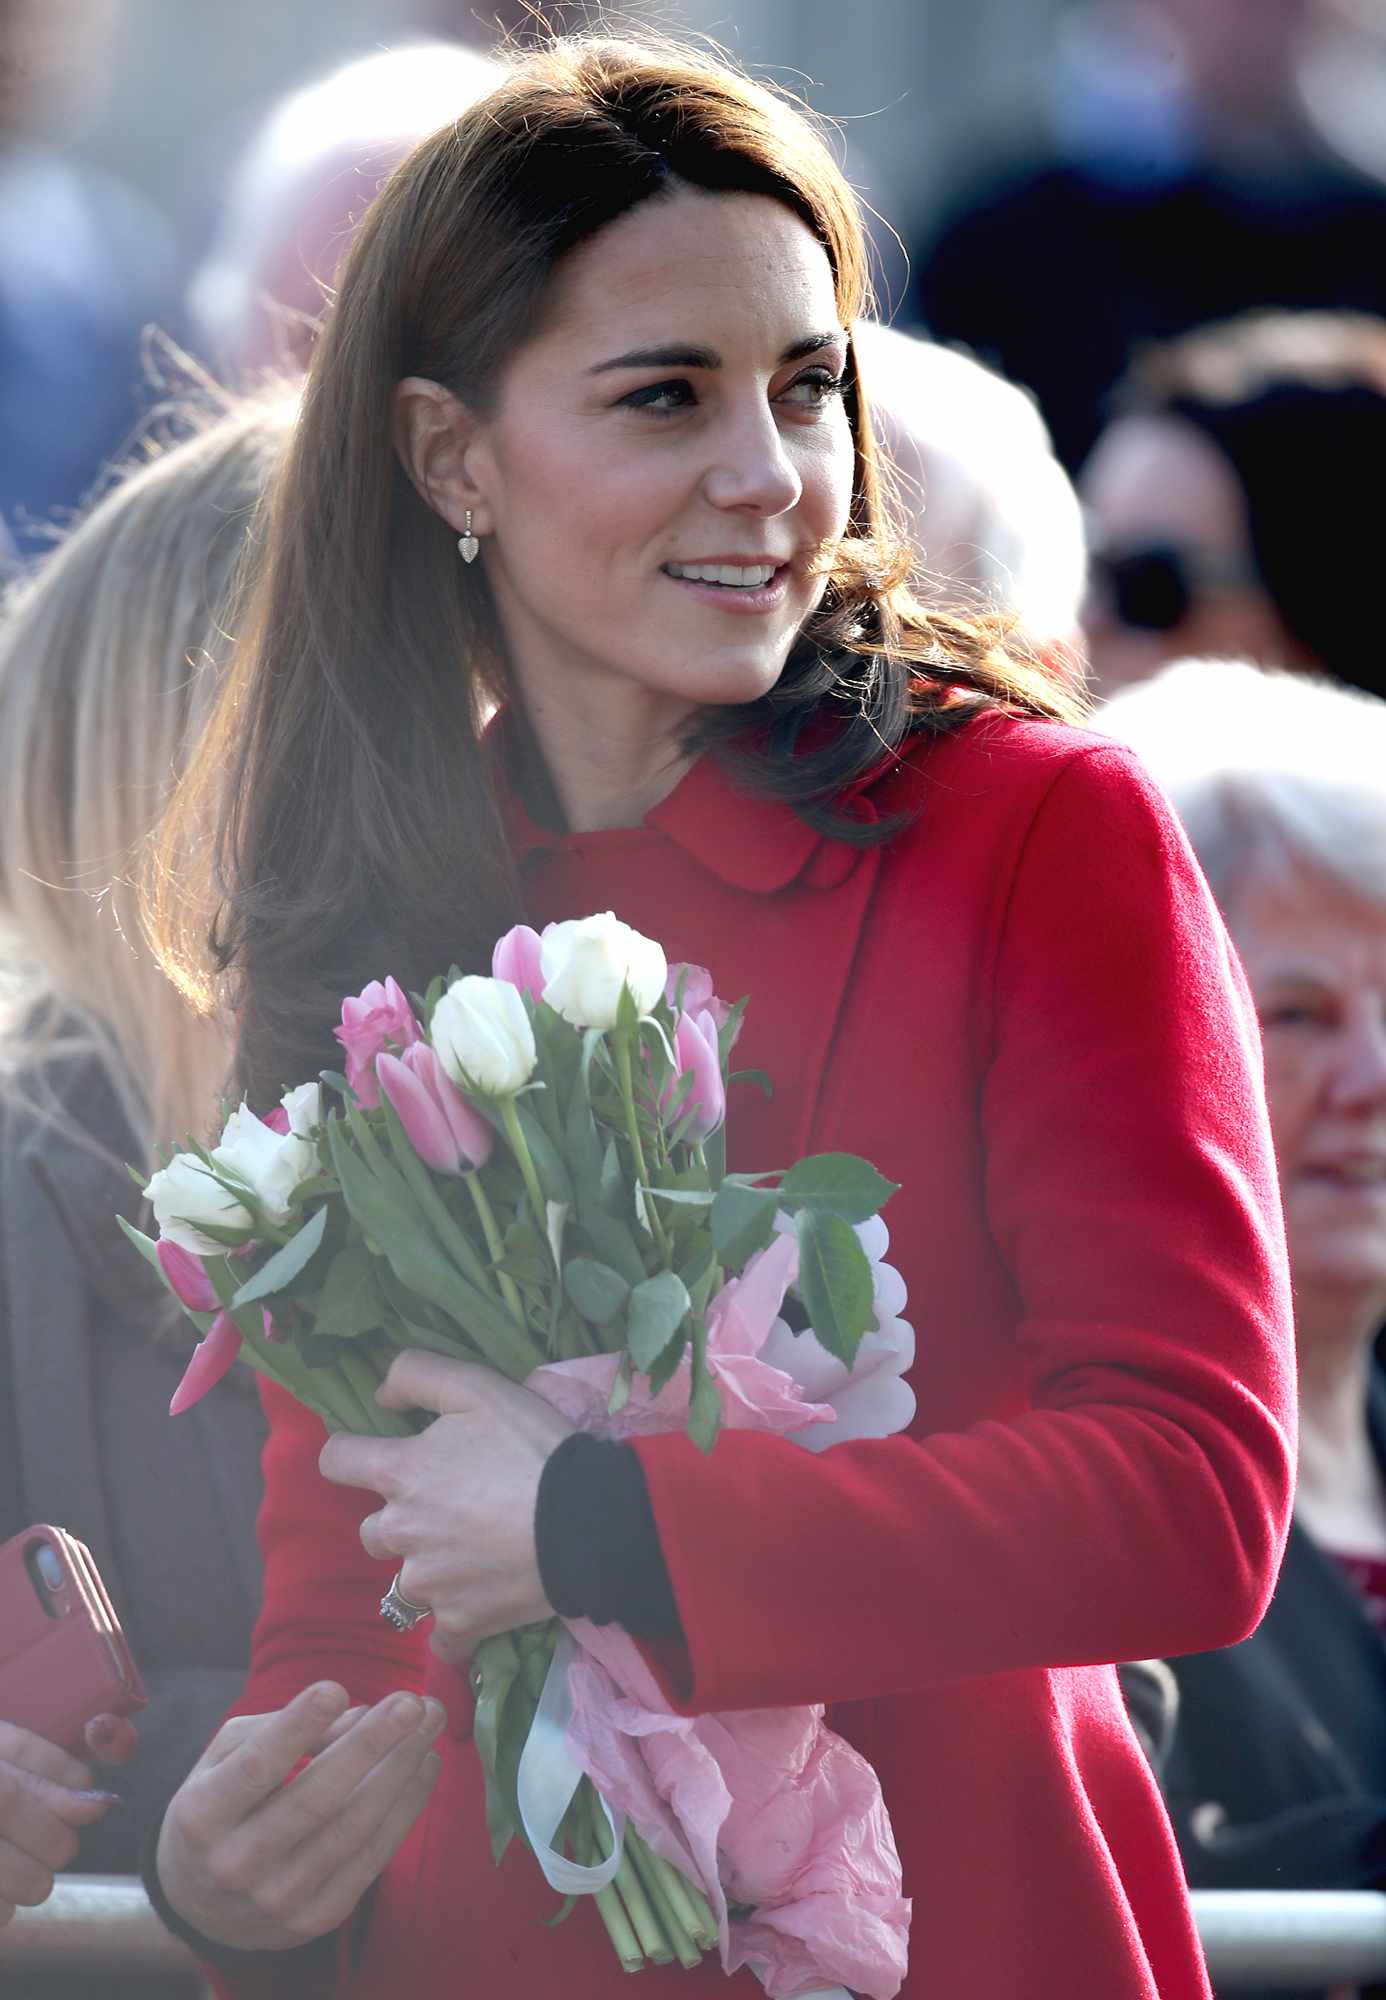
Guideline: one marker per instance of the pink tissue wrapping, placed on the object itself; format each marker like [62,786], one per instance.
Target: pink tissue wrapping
[768,1806]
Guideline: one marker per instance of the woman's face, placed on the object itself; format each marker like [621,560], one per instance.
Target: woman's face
[1315,955]
[667,457]
[1172,575]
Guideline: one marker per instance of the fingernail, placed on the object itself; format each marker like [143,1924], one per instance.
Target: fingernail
[324,1701]
[435,1718]
[95,1798]
[405,1708]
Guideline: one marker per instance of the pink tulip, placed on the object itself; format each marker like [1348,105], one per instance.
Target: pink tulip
[698,996]
[378,1018]
[186,1275]
[516,958]
[211,1359]
[695,1049]
[277,1121]
[444,1130]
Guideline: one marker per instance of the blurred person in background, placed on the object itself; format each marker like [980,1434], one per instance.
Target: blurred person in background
[109,653]
[1173,175]
[301,186]
[1228,500]
[1277,1775]
[992,513]
[85,262]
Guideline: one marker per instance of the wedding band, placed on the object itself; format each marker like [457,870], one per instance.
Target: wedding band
[396,1609]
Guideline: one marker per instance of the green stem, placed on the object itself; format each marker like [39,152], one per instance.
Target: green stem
[364,1380]
[487,1217]
[692,1907]
[519,1146]
[686,1948]
[623,1070]
[643,1919]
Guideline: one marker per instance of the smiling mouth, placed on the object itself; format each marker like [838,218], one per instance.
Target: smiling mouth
[729,576]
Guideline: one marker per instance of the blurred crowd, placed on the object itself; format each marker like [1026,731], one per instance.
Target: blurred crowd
[1136,395]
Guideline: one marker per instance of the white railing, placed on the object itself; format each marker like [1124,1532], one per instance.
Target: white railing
[1266,1938]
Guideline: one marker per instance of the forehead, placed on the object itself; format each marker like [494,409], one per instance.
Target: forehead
[1288,918]
[714,268]
[1157,479]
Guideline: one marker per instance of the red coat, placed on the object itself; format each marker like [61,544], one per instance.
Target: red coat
[1025,1010]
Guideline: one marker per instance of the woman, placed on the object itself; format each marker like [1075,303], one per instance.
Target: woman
[108,655]
[1222,499]
[1278,1774]
[584,436]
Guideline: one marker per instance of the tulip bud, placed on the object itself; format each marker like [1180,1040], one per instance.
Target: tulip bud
[517,958]
[482,1036]
[695,1051]
[444,1130]
[588,962]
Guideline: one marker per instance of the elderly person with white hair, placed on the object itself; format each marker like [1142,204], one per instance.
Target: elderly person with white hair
[1278,1774]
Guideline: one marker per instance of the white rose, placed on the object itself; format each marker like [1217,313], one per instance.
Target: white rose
[270,1164]
[183,1195]
[482,1037]
[587,962]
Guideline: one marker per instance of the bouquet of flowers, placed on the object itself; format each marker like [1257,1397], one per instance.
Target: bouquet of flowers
[529,1172]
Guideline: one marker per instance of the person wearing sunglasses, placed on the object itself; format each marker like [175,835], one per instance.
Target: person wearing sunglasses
[1219,504]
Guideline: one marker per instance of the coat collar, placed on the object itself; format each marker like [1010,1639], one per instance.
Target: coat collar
[749,842]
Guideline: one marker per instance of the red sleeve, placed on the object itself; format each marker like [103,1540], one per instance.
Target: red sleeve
[1139,1505]
[319,1618]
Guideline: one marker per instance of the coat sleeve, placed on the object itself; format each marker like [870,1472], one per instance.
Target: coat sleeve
[1139,1505]
[318,1618]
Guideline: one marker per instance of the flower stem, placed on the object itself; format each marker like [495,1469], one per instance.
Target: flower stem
[648,1865]
[692,1905]
[519,1146]
[486,1215]
[623,1070]
[364,1380]
[643,1919]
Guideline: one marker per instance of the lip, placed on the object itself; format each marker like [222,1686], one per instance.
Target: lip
[738,601]
[1344,1169]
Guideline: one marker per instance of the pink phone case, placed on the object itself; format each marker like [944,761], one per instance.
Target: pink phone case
[63,1656]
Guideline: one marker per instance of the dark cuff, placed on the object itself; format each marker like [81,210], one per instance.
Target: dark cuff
[598,1547]
[312,1968]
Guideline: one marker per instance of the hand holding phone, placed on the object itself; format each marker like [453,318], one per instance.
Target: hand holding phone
[64,1665]
[63,1656]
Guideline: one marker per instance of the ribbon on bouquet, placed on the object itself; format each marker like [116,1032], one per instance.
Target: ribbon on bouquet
[548,1777]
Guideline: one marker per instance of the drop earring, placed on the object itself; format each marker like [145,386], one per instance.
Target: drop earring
[467,542]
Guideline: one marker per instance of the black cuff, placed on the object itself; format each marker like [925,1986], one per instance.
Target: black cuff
[598,1547]
[319,1956]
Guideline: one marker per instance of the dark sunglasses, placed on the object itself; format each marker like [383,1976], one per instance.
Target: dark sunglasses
[1155,588]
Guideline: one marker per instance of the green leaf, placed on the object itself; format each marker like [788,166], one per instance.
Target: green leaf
[704,1404]
[666,1367]
[614,1243]
[743,1221]
[548,1161]
[279,1271]
[144,1244]
[595,1289]
[699,1274]
[336,1081]
[654,1315]
[727,1033]
[615,1197]
[838,1183]
[620,1389]
[756,1076]
[834,1282]
[351,1303]
[689,1197]
[627,1013]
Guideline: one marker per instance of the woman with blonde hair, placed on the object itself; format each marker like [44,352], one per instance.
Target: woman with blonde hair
[584,435]
[109,655]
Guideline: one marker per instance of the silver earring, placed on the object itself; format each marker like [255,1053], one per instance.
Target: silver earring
[467,541]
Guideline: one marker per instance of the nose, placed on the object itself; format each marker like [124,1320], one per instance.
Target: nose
[751,470]
[1360,1082]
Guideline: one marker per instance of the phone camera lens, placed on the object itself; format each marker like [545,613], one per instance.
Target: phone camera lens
[49,1566]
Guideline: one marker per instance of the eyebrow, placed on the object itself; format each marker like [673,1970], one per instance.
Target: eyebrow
[676,356]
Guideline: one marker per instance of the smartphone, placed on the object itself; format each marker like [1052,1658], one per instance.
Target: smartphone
[63,1656]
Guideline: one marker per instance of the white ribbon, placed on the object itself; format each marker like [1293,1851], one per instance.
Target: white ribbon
[548,1777]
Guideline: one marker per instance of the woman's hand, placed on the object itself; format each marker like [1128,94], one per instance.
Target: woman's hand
[253,1861]
[46,1798]
[459,1498]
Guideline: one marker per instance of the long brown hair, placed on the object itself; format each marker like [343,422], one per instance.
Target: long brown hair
[361,834]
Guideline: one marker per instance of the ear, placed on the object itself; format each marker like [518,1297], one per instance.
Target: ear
[434,436]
